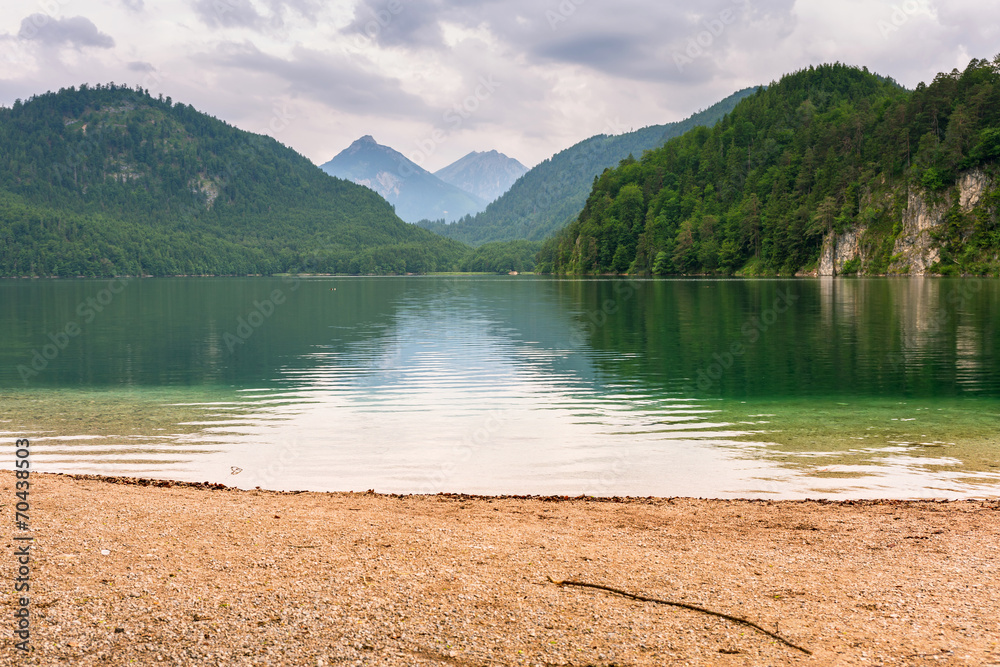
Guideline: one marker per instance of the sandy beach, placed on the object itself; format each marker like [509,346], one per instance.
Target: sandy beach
[133,572]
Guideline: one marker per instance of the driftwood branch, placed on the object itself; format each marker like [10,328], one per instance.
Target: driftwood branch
[682,605]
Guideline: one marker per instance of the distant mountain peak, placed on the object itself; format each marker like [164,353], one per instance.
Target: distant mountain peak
[486,174]
[415,192]
[368,143]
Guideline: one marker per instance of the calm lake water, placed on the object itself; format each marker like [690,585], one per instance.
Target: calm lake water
[720,388]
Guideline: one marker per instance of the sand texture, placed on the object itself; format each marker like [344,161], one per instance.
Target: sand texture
[196,575]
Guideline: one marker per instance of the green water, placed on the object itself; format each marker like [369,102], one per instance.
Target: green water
[777,388]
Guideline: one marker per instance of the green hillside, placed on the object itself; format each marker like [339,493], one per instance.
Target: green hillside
[552,193]
[107,180]
[827,153]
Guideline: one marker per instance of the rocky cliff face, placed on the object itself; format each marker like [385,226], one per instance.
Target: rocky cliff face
[838,249]
[914,249]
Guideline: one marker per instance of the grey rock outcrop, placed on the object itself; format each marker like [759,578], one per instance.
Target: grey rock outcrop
[915,249]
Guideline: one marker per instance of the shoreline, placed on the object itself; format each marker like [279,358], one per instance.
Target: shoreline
[458,274]
[157,482]
[140,571]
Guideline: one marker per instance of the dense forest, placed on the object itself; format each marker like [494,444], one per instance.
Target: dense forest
[502,257]
[551,194]
[107,180]
[821,151]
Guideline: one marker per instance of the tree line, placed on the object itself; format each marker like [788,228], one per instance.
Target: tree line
[108,180]
[822,150]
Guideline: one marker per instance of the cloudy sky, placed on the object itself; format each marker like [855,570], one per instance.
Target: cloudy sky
[436,79]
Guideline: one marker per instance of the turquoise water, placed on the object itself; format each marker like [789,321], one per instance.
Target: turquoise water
[722,388]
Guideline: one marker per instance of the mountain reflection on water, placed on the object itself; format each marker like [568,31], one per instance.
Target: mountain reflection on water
[777,388]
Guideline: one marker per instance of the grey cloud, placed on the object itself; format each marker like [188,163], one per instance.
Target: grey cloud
[310,9]
[613,54]
[631,39]
[334,81]
[243,14]
[676,44]
[134,5]
[228,14]
[966,23]
[491,91]
[952,30]
[77,31]
[415,23]
[140,66]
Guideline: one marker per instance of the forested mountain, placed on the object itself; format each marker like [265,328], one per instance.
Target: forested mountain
[414,192]
[831,161]
[106,180]
[552,193]
[484,174]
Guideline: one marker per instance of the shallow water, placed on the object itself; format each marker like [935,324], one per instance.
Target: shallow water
[722,388]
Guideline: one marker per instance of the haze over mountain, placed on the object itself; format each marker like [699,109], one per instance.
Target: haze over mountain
[486,175]
[107,180]
[415,193]
[552,193]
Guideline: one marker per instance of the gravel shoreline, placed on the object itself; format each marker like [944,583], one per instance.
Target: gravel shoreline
[137,572]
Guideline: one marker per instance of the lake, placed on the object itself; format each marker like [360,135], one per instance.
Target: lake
[511,384]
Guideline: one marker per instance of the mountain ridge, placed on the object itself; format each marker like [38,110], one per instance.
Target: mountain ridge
[550,194]
[414,192]
[484,174]
[129,184]
[832,170]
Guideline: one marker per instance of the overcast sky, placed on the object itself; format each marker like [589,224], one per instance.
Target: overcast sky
[436,79]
